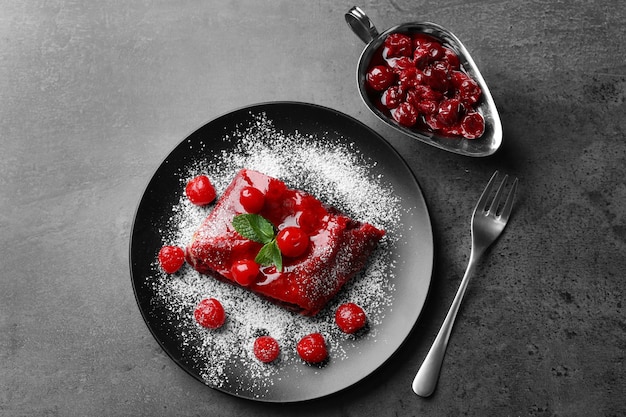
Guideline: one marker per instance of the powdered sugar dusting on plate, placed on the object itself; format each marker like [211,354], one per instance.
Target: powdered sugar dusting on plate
[334,172]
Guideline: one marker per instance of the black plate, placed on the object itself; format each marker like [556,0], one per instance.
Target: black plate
[219,148]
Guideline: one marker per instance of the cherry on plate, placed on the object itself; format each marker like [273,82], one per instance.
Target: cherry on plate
[312,348]
[171,258]
[210,313]
[350,318]
[266,349]
[200,191]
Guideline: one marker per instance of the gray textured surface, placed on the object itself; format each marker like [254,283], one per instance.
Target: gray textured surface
[94,95]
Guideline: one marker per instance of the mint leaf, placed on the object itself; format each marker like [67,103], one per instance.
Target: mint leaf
[270,254]
[257,228]
[254,227]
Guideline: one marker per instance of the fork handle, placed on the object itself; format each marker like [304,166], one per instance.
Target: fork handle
[426,379]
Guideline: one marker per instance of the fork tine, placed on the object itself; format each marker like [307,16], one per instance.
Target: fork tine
[508,205]
[493,208]
[484,197]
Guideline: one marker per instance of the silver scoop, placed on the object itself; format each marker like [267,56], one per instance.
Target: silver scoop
[491,139]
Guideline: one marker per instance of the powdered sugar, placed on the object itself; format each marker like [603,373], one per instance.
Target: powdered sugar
[334,172]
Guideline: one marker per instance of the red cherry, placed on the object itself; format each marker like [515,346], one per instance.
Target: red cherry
[449,111]
[452,59]
[380,77]
[398,44]
[469,91]
[427,107]
[244,271]
[407,78]
[210,313]
[292,241]
[457,78]
[200,191]
[437,77]
[405,114]
[392,97]
[426,49]
[252,199]
[350,317]
[171,258]
[420,58]
[312,348]
[266,349]
[473,125]
[436,51]
[422,41]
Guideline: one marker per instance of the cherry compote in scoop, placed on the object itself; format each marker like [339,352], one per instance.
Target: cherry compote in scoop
[419,82]
[420,79]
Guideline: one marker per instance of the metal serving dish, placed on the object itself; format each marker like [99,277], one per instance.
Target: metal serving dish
[491,139]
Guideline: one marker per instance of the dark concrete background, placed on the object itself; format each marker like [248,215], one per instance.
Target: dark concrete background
[93,95]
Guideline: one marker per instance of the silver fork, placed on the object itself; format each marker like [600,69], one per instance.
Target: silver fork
[488,222]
